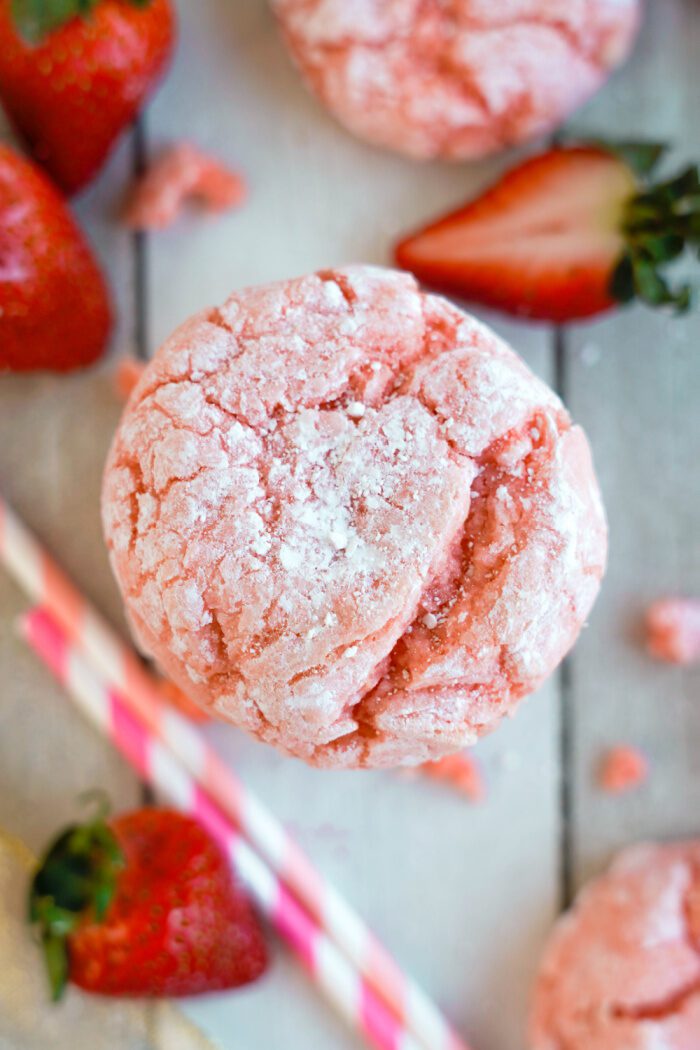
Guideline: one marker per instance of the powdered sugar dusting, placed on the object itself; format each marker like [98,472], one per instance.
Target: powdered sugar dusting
[356,588]
[622,969]
[458,78]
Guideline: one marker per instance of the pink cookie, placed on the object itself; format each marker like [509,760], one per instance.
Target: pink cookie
[455,78]
[622,970]
[346,517]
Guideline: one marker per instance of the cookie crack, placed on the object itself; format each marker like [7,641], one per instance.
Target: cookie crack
[574,40]
[392,677]
[674,1003]
[438,336]
[662,1010]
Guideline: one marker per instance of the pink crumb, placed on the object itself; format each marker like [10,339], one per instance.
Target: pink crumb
[182,173]
[126,376]
[623,769]
[461,771]
[673,630]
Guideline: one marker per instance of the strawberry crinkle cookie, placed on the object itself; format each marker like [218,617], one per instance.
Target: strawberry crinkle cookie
[622,969]
[346,517]
[455,78]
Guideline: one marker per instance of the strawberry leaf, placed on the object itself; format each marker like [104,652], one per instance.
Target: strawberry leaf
[76,880]
[664,247]
[661,223]
[36,19]
[622,282]
[56,956]
[641,157]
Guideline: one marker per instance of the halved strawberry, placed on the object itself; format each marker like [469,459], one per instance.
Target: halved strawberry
[566,235]
[144,905]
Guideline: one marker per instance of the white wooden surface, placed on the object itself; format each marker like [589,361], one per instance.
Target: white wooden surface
[464,896]
[634,382]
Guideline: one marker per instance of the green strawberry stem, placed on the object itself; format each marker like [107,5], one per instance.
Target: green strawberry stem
[76,879]
[35,19]
[661,222]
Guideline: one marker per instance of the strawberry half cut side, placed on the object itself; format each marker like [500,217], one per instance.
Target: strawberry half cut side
[566,235]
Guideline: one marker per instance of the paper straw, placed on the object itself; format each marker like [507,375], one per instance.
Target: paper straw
[117,663]
[346,989]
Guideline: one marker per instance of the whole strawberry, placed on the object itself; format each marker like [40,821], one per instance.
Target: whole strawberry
[54,305]
[566,235]
[144,905]
[74,74]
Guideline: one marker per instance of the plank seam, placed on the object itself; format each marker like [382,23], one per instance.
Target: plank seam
[140,249]
[140,264]
[566,729]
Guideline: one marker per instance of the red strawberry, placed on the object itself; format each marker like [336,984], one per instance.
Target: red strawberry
[74,74]
[54,305]
[144,906]
[565,235]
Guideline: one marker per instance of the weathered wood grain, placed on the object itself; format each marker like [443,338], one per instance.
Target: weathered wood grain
[634,382]
[54,434]
[464,896]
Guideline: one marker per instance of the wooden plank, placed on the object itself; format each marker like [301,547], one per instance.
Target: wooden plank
[433,876]
[634,382]
[54,433]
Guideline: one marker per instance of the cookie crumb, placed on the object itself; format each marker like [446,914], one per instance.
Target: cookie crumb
[624,768]
[462,772]
[182,173]
[673,630]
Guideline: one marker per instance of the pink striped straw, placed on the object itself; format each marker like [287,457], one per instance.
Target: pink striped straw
[347,990]
[119,666]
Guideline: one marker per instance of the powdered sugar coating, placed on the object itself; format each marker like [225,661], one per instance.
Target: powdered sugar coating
[455,78]
[370,587]
[622,970]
